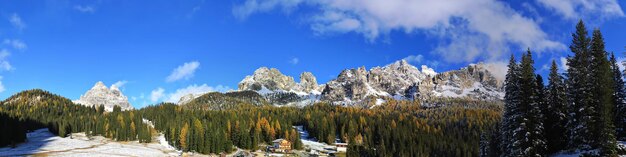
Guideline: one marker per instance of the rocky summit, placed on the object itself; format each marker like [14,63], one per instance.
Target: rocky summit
[99,94]
[265,79]
[399,80]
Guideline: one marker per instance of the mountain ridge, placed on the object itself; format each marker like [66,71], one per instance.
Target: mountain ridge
[475,81]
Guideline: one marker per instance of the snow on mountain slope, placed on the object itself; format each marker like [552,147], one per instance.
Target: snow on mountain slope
[393,80]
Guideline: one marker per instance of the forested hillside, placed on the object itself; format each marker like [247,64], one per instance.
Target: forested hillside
[398,128]
[33,109]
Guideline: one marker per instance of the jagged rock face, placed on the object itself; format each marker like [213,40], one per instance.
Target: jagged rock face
[474,81]
[393,80]
[274,80]
[308,82]
[99,94]
[271,79]
[187,98]
[356,84]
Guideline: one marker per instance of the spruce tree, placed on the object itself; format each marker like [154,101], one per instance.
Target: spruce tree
[619,100]
[530,134]
[602,102]
[511,114]
[579,92]
[555,111]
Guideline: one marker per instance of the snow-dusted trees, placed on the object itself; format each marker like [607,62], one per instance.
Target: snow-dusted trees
[555,111]
[511,116]
[522,131]
[602,98]
[579,92]
[528,137]
[619,100]
[584,106]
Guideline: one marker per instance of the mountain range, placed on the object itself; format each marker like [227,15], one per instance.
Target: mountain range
[398,80]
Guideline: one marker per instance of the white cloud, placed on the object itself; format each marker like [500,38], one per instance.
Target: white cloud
[2,89]
[576,9]
[195,90]
[564,65]
[157,94]
[184,71]
[17,22]
[294,61]
[85,9]
[468,30]
[15,43]
[4,63]
[498,69]
[416,59]
[119,84]
[620,63]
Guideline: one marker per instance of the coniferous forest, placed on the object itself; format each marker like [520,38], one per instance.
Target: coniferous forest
[581,110]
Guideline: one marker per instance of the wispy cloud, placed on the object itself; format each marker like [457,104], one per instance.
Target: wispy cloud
[15,43]
[576,9]
[416,59]
[16,21]
[185,71]
[4,63]
[2,89]
[119,84]
[294,61]
[195,9]
[157,94]
[467,30]
[85,8]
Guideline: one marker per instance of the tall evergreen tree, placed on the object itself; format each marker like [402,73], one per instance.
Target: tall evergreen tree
[555,111]
[511,114]
[602,102]
[579,92]
[619,100]
[530,132]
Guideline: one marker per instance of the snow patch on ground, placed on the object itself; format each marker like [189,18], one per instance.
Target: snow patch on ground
[43,143]
[310,142]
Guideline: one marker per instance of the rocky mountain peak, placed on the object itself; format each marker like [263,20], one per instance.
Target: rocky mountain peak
[272,79]
[308,82]
[99,94]
[99,85]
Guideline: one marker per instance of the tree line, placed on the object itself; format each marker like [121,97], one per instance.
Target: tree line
[581,110]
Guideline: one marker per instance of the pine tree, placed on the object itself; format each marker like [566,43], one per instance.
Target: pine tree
[555,111]
[619,100]
[579,92]
[511,114]
[602,102]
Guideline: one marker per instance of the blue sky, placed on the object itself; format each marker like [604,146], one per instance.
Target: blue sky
[157,50]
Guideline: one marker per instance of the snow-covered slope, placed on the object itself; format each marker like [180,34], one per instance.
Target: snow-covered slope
[99,94]
[43,143]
